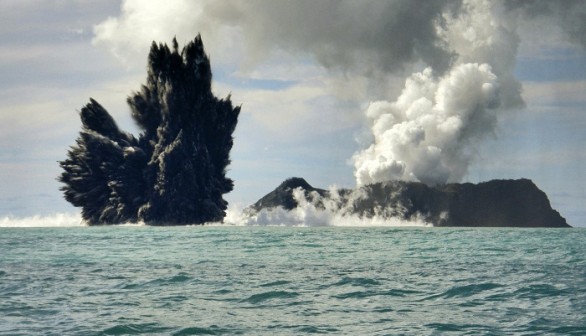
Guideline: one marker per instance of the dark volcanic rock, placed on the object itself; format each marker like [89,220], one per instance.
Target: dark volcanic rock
[502,203]
[283,195]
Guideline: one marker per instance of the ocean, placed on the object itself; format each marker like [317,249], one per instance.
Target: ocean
[274,280]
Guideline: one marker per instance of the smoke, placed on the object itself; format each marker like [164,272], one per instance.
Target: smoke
[569,16]
[374,36]
[426,134]
[465,52]
[429,133]
[368,36]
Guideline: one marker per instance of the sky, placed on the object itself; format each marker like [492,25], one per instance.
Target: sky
[339,92]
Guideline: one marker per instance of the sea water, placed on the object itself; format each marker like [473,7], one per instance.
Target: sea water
[226,280]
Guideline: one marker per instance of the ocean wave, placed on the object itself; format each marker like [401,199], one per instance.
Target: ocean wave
[270,295]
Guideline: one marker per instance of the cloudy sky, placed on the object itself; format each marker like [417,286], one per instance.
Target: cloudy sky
[339,92]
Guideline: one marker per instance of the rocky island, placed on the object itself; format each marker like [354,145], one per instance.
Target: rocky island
[174,171]
[496,203]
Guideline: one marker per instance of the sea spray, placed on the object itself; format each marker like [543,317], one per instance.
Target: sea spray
[65,220]
[54,220]
[307,216]
[315,210]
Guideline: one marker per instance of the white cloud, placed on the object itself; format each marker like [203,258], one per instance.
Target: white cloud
[141,22]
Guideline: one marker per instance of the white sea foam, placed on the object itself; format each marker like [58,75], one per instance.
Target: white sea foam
[331,211]
[54,220]
[310,216]
[307,214]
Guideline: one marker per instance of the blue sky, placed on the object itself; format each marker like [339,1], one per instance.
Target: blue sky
[304,74]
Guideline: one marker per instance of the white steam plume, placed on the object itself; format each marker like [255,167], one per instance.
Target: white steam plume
[333,210]
[470,46]
[428,134]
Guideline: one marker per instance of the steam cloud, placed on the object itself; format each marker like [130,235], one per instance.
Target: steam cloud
[373,35]
[428,133]
[174,173]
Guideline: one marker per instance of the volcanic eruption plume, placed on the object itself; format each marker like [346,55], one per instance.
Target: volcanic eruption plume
[429,133]
[174,172]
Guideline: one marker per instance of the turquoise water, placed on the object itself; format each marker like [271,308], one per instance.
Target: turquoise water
[292,281]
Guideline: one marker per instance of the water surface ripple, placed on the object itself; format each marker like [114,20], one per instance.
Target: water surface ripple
[291,281]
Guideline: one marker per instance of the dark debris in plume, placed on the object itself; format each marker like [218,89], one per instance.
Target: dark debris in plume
[175,171]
